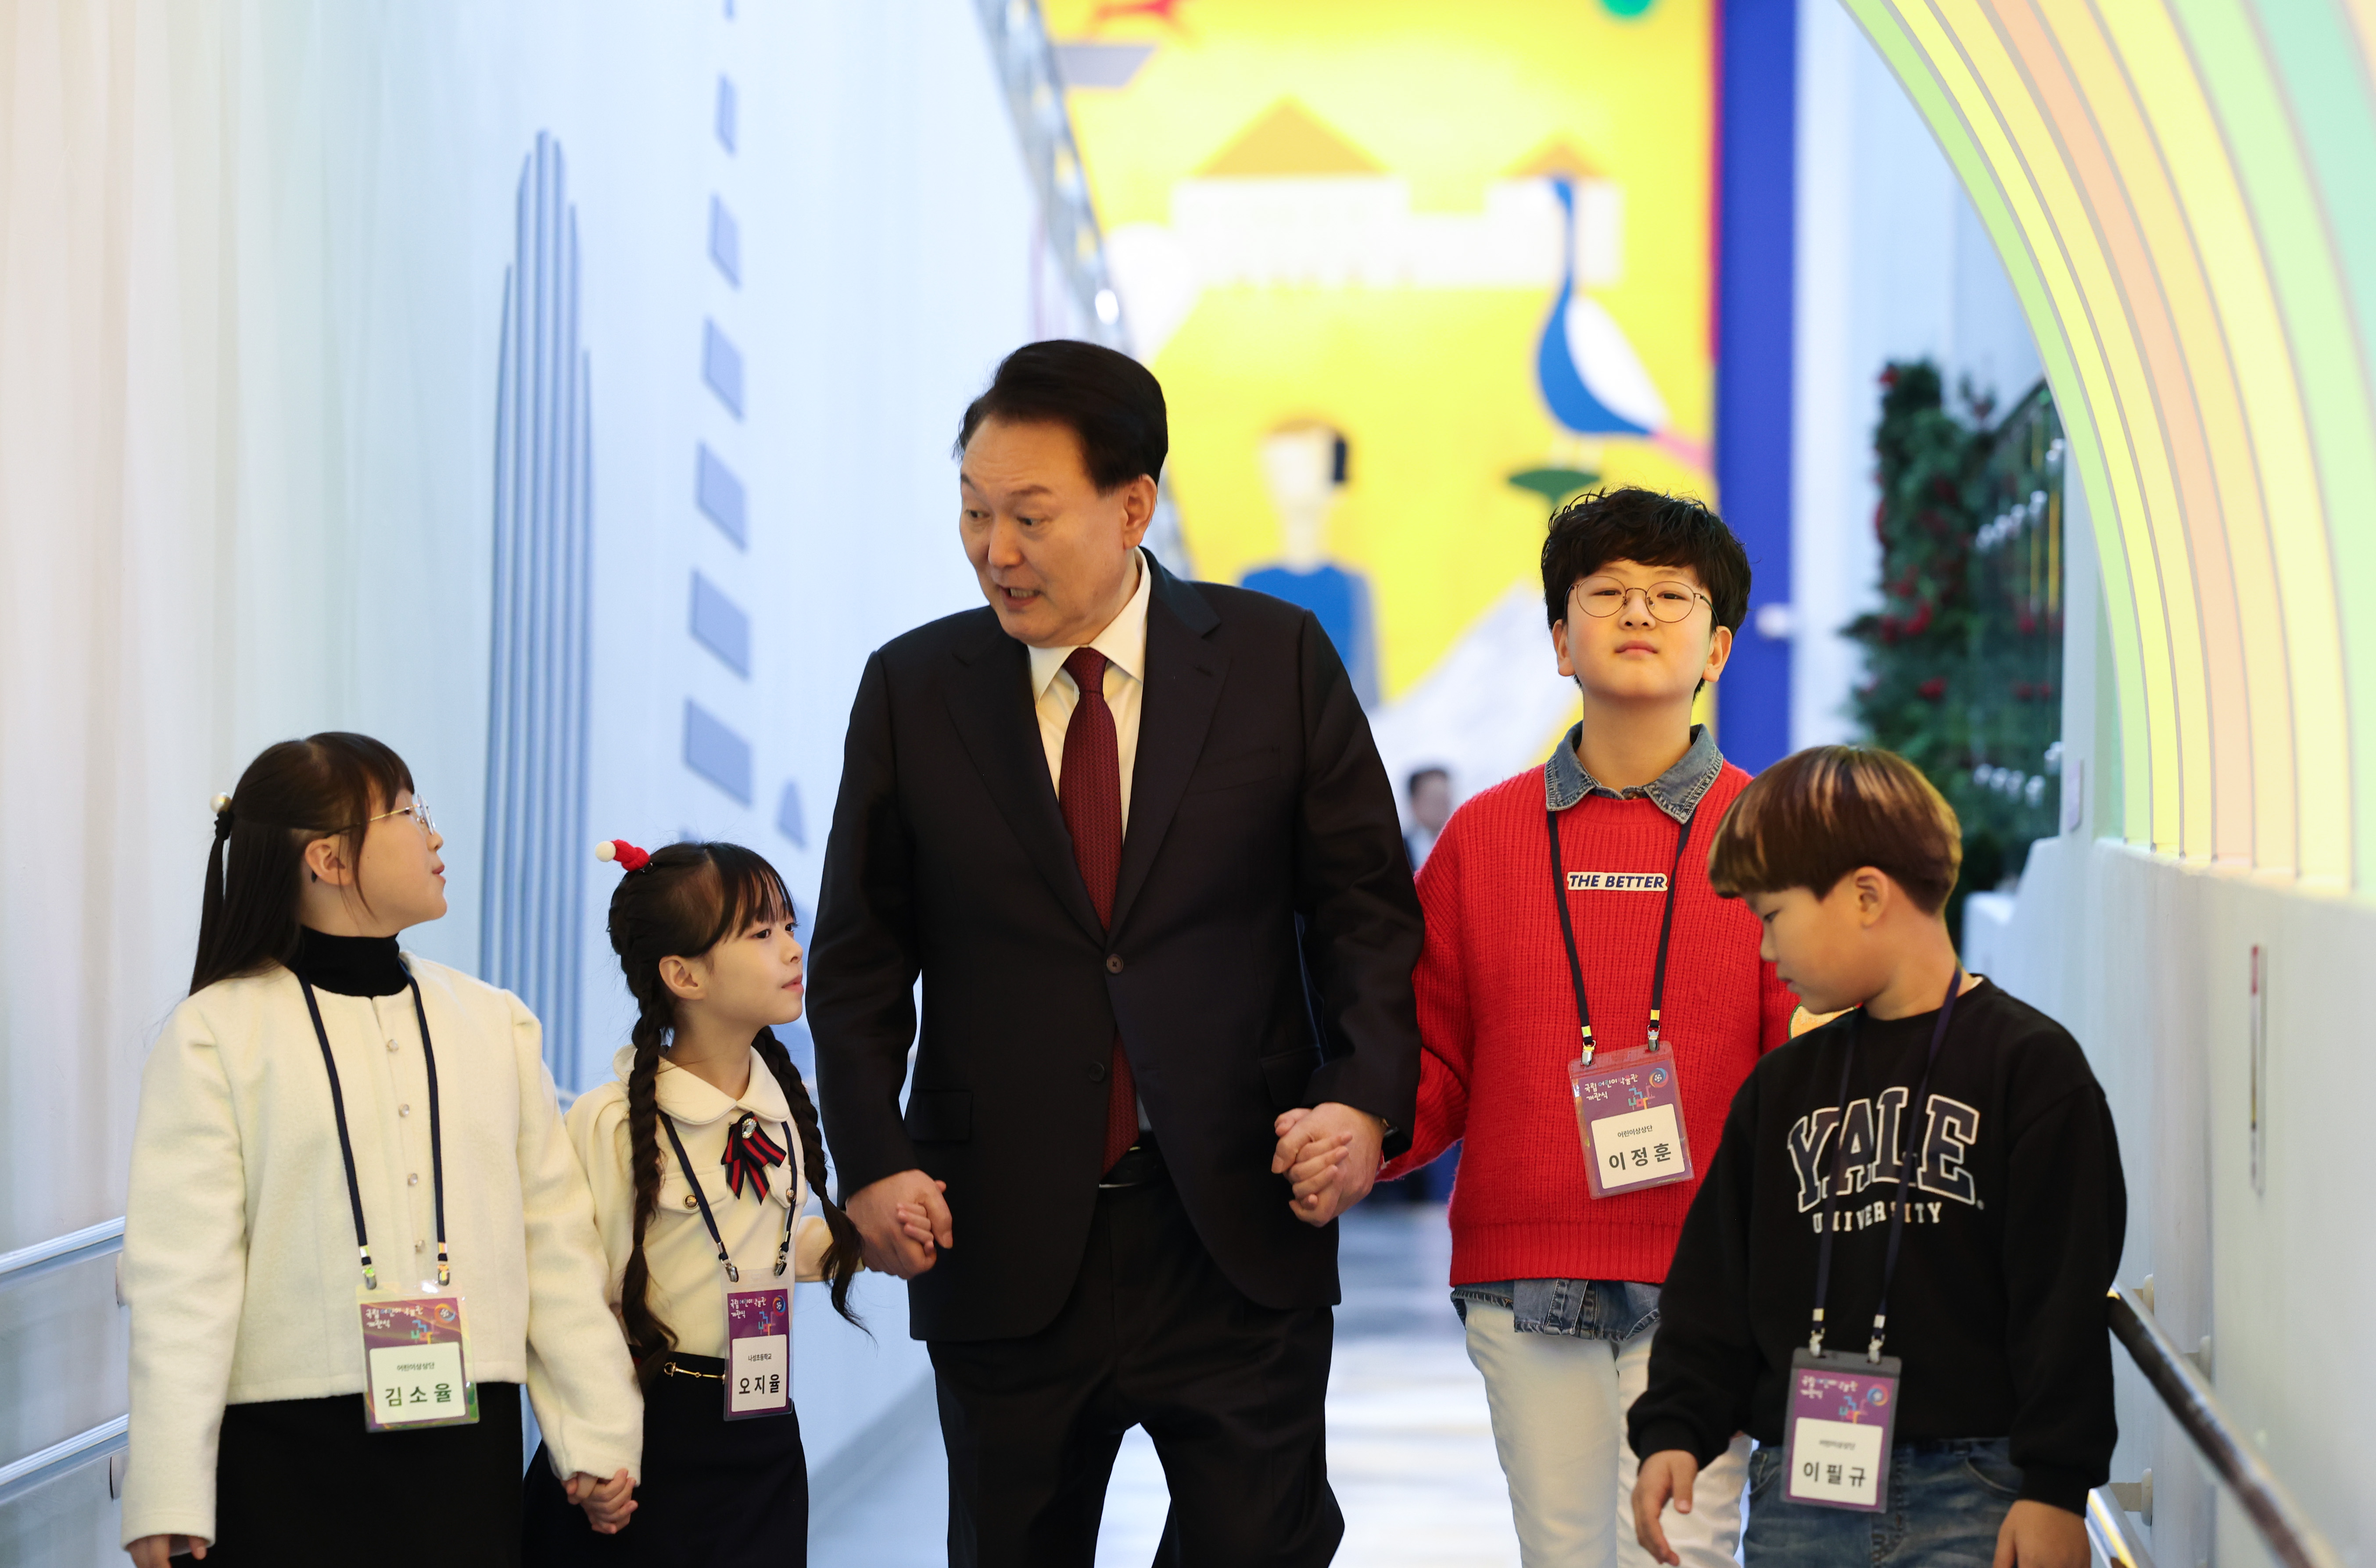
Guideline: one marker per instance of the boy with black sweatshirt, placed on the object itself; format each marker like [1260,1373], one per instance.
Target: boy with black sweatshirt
[1982,1448]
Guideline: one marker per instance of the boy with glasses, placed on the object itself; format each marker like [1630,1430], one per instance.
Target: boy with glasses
[1570,925]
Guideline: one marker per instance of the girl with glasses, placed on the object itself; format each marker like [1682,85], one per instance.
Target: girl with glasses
[355,1229]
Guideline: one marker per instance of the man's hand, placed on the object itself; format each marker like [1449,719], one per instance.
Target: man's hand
[607,1503]
[155,1551]
[2039,1535]
[904,1220]
[1330,1156]
[1666,1476]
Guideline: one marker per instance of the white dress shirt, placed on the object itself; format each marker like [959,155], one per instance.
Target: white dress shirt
[1053,695]
[688,1284]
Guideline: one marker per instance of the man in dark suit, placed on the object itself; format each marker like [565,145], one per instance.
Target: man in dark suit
[1135,837]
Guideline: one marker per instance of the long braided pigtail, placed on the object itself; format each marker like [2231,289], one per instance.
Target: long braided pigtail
[648,1338]
[681,901]
[842,1258]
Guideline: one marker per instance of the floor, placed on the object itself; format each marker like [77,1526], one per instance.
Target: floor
[1410,1453]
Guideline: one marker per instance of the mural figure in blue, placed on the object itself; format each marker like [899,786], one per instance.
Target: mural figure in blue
[1305,467]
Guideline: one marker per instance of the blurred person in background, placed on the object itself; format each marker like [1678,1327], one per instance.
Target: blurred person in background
[1428,791]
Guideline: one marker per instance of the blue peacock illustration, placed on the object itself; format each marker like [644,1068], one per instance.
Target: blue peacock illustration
[1591,378]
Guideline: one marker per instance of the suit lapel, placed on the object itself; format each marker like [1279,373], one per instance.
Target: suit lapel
[991,703]
[1184,674]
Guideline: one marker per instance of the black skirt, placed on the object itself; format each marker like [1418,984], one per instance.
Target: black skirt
[301,1482]
[715,1493]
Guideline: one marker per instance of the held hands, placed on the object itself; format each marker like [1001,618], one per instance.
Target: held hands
[155,1552]
[607,1503]
[904,1220]
[1665,1475]
[2039,1535]
[1330,1156]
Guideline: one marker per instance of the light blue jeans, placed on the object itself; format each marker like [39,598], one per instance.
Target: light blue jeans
[1947,1499]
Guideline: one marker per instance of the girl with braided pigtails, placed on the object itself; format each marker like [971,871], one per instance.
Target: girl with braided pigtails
[701,1155]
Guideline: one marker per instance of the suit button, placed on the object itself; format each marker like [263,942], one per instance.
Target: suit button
[1114,963]
[690,1200]
[1097,1072]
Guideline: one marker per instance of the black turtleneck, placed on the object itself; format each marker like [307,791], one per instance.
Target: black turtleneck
[350,966]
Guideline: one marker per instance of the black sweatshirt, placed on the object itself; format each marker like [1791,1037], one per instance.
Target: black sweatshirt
[2010,1245]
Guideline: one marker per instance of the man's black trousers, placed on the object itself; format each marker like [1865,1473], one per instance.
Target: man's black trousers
[1152,1335]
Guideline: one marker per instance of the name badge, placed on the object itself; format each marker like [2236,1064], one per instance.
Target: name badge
[1629,1111]
[416,1362]
[1617,882]
[758,1353]
[1843,1409]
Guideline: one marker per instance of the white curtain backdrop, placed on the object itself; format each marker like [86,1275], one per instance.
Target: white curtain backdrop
[251,261]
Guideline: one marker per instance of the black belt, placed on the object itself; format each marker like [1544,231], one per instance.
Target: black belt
[1142,1164]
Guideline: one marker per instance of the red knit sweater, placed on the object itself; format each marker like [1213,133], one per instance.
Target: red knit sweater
[1497,1013]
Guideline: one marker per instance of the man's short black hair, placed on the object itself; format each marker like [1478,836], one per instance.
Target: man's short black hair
[1113,403]
[1421,776]
[1655,529]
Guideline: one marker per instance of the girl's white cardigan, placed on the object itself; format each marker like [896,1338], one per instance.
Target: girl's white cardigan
[238,1246]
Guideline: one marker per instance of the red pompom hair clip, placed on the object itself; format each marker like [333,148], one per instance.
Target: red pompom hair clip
[626,854]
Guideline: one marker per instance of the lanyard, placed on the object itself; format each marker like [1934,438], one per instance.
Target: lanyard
[1567,929]
[1914,1107]
[783,1248]
[347,1146]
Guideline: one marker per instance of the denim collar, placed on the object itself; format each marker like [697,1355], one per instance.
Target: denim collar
[1676,792]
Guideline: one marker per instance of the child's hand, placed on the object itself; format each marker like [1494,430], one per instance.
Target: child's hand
[155,1551]
[607,1503]
[1330,1156]
[916,1223]
[2039,1535]
[904,1220]
[1668,1474]
[1319,1166]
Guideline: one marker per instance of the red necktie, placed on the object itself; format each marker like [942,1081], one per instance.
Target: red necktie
[1089,793]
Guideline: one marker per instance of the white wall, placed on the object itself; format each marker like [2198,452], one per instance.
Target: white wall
[252,263]
[1893,263]
[2149,962]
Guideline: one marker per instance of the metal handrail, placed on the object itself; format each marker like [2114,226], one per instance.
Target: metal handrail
[58,1458]
[2290,1537]
[108,1438]
[2115,1538]
[75,1246]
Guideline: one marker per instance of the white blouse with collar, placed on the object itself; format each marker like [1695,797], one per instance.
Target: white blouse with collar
[688,1284]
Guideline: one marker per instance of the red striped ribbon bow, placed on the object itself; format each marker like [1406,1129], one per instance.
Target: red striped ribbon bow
[749,1152]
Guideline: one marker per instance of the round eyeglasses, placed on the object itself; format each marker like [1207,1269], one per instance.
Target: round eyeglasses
[1669,601]
[417,810]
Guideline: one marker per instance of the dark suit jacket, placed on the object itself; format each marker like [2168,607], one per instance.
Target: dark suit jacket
[1264,927]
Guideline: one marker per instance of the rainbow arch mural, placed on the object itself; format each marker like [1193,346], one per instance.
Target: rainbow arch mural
[2180,191]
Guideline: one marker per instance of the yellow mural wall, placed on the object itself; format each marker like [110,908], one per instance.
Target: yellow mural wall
[1343,213]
